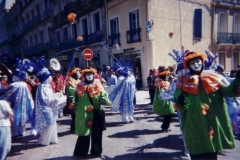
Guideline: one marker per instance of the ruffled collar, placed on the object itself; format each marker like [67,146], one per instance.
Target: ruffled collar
[210,81]
[159,83]
[72,82]
[93,89]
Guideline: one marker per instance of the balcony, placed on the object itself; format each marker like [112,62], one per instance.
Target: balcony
[68,44]
[81,4]
[37,19]
[229,2]
[134,35]
[63,16]
[56,19]
[95,37]
[114,39]
[70,8]
[46,14]
[38,48]
[225,37]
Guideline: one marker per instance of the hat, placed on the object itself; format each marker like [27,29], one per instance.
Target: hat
[43,75]
[21,70]
[192,55]
[87,70]
[73,71]
[219,67]
[179,67]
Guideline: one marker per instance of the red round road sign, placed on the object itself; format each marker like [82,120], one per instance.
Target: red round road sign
[87,54]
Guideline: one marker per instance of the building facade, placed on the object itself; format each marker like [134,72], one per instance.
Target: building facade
[147,30]
[227,33]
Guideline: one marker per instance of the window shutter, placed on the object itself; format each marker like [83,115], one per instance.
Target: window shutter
[198,23]
[117,25]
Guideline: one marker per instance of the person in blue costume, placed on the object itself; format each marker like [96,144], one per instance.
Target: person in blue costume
[122,94]
[47,103]
[21,100]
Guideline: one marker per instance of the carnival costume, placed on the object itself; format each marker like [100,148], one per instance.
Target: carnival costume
[89,99]
[122,94]
[71,83]
[21,100]
[163,108]
[200,97]
[46,104]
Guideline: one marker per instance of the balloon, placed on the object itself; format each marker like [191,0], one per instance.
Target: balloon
[71,17]
[79,38]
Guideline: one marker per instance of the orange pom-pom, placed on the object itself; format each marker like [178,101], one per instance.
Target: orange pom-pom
[89,123]
[205,109]
[71,17]
[71,106]
[79,38]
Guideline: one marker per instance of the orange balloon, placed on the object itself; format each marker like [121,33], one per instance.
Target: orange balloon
[71,17]
[79,38]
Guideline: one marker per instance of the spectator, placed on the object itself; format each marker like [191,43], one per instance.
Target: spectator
[138,77]
[6,117]
[150,85]
[111,78]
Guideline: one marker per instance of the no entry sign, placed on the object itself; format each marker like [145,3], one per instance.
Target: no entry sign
[87,54]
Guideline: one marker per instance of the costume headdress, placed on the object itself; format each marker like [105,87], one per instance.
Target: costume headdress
[73,71]
[21,70]
[208,64]
[87,70]
[42,72]
[123,68]
[192,55]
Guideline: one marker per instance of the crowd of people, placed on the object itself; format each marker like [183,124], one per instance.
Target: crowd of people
[206,102]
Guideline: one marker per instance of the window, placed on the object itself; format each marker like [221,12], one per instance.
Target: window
[221,58]
[235,59]
[84,27]
[46,4]
[62,4]
[36,39]
[26,43]
[41,36]
[198,23]
[31,42]
[223,22]
[65,33]
[58,36]
[237,24]
[55,8]
[74,31]
[49,34]
[133,35]
[96,22]
[28,17]
[114,37]
[32,12]
[38,9]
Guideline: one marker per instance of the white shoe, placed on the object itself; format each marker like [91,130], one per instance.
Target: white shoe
[125,119]
[186,153]
[131,119]
[33,132]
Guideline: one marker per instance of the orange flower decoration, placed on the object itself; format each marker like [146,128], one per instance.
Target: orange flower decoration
[176,107]
[89,109]
[71,106]
[71,17]
[205,109]
[210,132]
[79,38]
[89,123]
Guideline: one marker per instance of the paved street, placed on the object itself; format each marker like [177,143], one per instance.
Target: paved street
[140,140]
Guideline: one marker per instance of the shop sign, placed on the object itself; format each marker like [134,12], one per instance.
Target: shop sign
[62,58]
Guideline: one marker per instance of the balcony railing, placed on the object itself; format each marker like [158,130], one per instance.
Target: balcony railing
[56,19]
[225,37]
[229,2]
[95,37]
[238,2]
[114,39]
[81,4]
[134,35]
[38,48]
[70,8]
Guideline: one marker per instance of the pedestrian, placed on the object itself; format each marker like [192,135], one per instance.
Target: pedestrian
[47,104]
[6,117]
[138,76]
[164,108]
[150,85]
[111,78]
[71,84]
[90,117]
[200,97]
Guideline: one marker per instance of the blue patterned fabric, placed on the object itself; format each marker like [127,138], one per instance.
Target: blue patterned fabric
[46,104]
[21,102]
[121,95]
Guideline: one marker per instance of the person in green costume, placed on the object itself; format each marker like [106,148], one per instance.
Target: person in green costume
[72,80]
[89,99]
[200,97]
[164,108]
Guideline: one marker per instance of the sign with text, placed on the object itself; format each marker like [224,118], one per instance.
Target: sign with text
[87,54]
